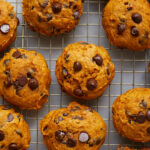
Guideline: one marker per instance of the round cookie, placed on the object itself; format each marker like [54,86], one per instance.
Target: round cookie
[52,17]
[14,131]
[73,128]
[127,23]
[84,70]
[8,24]
[131,114]
[24,79]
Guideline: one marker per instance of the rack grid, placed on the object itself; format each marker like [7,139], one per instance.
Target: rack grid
[131,70]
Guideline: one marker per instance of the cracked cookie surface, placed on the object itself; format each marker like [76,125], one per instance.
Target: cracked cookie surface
[131,114]
[24,79]
[52,17]
[70,128]
[84,70]
[127,23]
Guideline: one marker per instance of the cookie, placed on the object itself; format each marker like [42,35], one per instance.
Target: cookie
[73,128]
[84,70]
[8,25]
[14,131]
[127,23]
[24,79]
[131,114]
[127,148]
[52,17]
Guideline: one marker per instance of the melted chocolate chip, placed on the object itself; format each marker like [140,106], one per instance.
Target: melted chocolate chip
[76,15]
[6,62]
[77,66]
[65,73]
[11,15]
[121,28]
[19,133]
[71,142]
[65,114]
[33,84]
[78,92]
[98,141]
[45,128]
[17,54]
[2,135]
[5,28]
[22,81]
[107,69]
[83,137]
[59,135]
[134,31]
[49,17]
[44,4]
[56,7]
[140,118]
[59,119]
[98,59]
[66,58]
[129,8]
[13,146]
[29,75]
[8,82]
[143,104]
[91,84]
[148,130]
[148,115]
[137,18]
[10,117]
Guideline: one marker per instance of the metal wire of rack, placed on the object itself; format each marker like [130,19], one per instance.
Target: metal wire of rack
[131,70]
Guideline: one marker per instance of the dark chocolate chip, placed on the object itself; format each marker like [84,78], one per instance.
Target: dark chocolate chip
[65,114]
[8,82]
[16,54]
[44,3]
[45,128]
[7,72]
[5,28]
[2,146]
[49,17]
[134,31]
[39,18]
[6,62]
[19,133]
[98,59]
[148,130]
[66,57]
[33,84]
[83,137]
[78,92]
[65,73]
[107,69]
[11,15]
[59,135]
[121,28]
[129,8]
[137,18]
[56,7]
[71,142]
[59,119]
[140,117]
[76,15]
[2,135]
[13,146]
[22,81]
[77,117]
[126,3]
[10,117]
[98,141]
[77,66]
[91,84]
[29,75]
[143,104]
[148,115]
[70,4]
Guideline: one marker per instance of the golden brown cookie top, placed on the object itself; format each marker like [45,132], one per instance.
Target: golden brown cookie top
[84,70]
[24,79]
[73,127]
[52,17]
[127,23]
[131,114]
[14,131]
[8,23]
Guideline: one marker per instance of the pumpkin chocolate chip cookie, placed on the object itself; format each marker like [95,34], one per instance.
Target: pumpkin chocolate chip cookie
[24,79]
[84,70]
[8,25]
[14,131]
[52,17]
[131,114]
[70,128]
[127,23]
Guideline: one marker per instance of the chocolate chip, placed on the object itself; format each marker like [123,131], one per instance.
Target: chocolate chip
[59,135]
[140,117]
[144,38]
[65,73]
[136,17]
[129,8]
[143,104]
[78,92]
[77,117]
[148,115]
[22,81]
[10,117]
[65,114]
[11,15]
[89,109]
[2,135]
[98,141]
[33,84]
[29,75]
[77,66]
[13,146]
[91,84]
[148,130]
[49,17]
[66,57]
[134,31]
[56,7]
[107,69]
[98,59]
[59,119]
[6,62]
[126,3]
[17,54]
[76,15]
[8,82]
[121,28]
[44,3]
[2,146]
[39,18]
[70,4]
[71,142]
[19,133]
[5,28]
[83,137]
[45,128]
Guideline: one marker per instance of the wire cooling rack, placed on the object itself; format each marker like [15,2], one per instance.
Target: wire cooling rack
[131,70]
